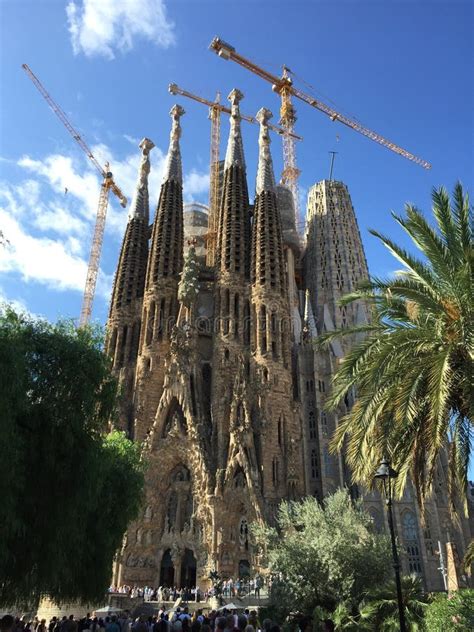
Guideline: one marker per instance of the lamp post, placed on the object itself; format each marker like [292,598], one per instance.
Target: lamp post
[385,473]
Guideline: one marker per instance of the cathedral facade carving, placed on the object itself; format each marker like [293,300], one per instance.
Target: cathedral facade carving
[220,378]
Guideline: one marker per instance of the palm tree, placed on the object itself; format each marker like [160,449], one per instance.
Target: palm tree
[379,611]
[412,370]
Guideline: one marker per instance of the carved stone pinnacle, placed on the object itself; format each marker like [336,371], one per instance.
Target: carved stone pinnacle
[263,116]
[235,96]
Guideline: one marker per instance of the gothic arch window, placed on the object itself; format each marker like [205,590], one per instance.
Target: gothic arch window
[314,464]
[410,540]
[280,431]
[148,515]
[276,472]
[138,536]
[312,425]
[175,420]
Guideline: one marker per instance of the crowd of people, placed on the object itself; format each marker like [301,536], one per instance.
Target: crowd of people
[179,620]
[230,588]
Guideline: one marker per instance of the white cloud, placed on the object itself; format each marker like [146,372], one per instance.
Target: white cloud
[195,185]
[17,304]
[101,27]
[49,229]
[39,258]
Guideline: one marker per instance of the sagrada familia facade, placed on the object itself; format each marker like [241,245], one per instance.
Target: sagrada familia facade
[212,339]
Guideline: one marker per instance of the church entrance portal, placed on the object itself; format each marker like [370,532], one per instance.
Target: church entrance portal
[167,570]
[188,569]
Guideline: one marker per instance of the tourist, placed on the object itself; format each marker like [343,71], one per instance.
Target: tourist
[328,625]
[6,623]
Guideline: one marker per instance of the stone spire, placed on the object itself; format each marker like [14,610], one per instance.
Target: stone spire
[233,231]
[140,207]
[124,324]
[166,256]
[130,276]
[309,321]
[235,148]
[174,169]
[268,264]
[265,176]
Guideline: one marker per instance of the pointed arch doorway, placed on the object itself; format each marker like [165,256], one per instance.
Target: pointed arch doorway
[188,569]
[167,570]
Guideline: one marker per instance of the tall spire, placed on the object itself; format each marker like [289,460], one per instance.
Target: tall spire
[130,276]
[140,207]
[233,231]
[265,175]
[268,263]
[174,169]
[166,253]
[235,148]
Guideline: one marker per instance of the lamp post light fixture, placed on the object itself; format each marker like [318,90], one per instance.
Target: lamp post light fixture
[385,473]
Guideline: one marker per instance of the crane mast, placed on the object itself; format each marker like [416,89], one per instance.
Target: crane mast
[284,87]
[215,116]
[108,184]
[215,110]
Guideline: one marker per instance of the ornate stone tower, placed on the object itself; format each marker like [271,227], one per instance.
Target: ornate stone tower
[223,384]
[232,308]
[271,334]
[221,435]
[334,263]
[160,304]
[125,313]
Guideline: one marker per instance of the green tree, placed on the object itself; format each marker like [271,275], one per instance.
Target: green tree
[379,610]
[322,555]
[67,490]
[413,370]
[451,614]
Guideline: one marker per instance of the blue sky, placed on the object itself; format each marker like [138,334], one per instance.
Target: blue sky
[402,68]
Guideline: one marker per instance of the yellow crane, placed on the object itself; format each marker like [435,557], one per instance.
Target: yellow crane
[215,110]
[284,87]
[108,184]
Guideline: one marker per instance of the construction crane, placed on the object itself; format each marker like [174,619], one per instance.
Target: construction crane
[215,110]
[108,184]
[284,87]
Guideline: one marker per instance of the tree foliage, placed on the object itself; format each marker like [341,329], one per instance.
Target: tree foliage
[322,555]
[413,370]
[451,614]
[67,490]
[380,607]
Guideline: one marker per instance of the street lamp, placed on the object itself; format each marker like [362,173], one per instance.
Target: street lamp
[385,473]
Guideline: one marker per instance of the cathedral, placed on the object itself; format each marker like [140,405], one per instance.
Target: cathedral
[211,333]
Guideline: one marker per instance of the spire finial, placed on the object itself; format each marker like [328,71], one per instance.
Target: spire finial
[235,149]
[265,175]
[139,207]
[174,169]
